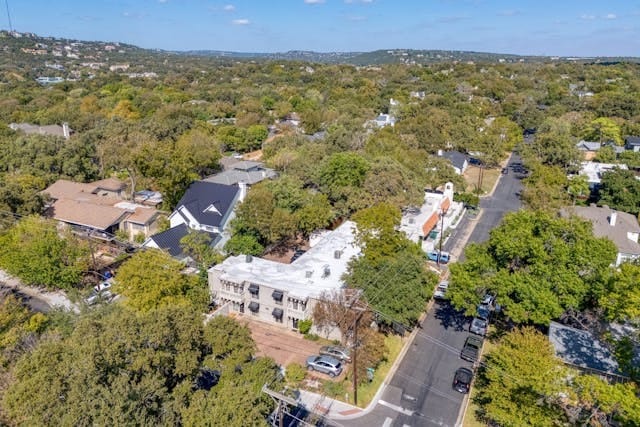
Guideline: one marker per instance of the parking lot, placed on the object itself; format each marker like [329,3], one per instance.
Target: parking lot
[283,346]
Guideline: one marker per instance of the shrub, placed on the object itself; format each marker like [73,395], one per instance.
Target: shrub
[295,373]
[304,326]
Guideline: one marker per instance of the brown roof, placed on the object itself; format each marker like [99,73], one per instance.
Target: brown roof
[143,215]
[86,214]
[65,189]
[446,203]
[430,224]
[111,184]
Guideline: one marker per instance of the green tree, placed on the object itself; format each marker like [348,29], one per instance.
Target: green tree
[119,367]
[621,299]
[197,245]
[243,244]
[619,189]
[578,187]
[34,251]
[603,129]
[606,154]
[314,214]
[521,380]
[546,188]
[537,265]
[598,401]
[342,170]
[152,279]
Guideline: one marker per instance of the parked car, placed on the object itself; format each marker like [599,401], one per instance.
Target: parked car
[471,349]
[462,380]
[479,326]
[488,300]
[337,352]
[437,256]
[102,286]
[441,290]
[325,364]
[483,312]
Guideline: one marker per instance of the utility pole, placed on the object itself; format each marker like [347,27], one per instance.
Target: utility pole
[442,213]
[355,356]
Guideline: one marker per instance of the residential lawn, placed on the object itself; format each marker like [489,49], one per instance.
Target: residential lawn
[489,178]
[366,391]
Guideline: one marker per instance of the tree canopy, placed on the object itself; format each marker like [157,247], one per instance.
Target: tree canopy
[152,279]
[537,265]
[120,367]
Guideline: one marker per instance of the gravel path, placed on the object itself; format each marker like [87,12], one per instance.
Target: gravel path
[56,299]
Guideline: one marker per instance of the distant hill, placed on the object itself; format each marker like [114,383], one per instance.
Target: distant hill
[28,44]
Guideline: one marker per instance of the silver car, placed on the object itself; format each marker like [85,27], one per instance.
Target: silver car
[340,353]
[324,364]
[478,326]
[441,290]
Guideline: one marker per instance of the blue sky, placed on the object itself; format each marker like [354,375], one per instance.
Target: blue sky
[538,27]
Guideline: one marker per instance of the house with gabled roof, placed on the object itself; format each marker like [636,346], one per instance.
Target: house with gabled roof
[245,171]
[458,160]
[99,207]
[620,227]
[632,143]
[205,207]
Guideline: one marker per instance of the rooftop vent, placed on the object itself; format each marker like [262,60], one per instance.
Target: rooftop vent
[326,271]
[337,254]
[308,273]
[248,258]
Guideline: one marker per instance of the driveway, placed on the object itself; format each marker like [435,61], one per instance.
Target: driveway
[281,345]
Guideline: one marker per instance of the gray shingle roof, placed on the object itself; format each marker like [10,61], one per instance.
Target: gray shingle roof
[169,240]
[456,158]
[208,202]
[581,348]
[618,233]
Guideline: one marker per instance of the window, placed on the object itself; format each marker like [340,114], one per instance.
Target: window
[294,323]
[278,296]
[254,290]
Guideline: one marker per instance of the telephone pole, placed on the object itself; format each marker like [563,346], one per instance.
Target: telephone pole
[355,354]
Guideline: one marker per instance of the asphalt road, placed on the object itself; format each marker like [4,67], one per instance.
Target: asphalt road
[505,198]
[420,392]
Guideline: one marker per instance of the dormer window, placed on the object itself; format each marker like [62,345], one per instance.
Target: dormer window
[212,209]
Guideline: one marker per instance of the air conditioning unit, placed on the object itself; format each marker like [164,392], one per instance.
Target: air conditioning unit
[308,273]
[337,254]
[248,258]
[326,271]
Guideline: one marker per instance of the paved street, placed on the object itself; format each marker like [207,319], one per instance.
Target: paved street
[420,392]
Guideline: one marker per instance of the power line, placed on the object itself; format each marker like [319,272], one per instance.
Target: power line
[6,3]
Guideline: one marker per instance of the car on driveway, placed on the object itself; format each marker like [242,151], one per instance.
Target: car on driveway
[337,352]
[441,291]
[478,326]
[471,349]
[462,380]
[325,364]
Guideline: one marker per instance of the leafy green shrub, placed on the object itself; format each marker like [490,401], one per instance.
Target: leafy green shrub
[304,326]
[311,337]
[295,373]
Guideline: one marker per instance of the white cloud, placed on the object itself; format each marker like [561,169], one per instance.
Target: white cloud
[229,8]
[314,1]
[587,17]
[610,16]
[240,22]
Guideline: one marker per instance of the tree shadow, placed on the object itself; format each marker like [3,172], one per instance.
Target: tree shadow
[451,318]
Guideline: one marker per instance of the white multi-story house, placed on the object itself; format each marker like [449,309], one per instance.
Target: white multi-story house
[285,294]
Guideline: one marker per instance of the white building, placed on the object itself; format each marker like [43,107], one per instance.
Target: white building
[281,293]
[438,214]
[594,170]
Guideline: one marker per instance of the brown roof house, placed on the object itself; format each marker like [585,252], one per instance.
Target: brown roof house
[620,227]
[99,208]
